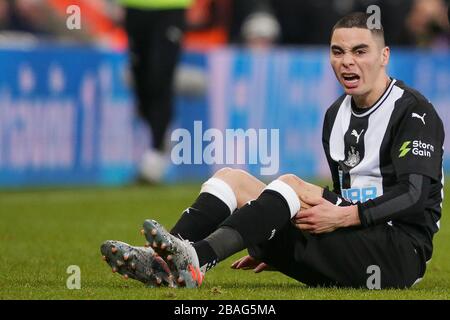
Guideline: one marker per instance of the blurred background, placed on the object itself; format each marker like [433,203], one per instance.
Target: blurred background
[91,90]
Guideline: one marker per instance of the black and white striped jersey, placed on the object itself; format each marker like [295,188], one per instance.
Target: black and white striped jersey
[384,157]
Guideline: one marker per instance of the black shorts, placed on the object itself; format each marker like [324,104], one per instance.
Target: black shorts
[346,257]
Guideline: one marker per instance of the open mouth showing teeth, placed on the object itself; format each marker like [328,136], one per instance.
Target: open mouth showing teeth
[350,77]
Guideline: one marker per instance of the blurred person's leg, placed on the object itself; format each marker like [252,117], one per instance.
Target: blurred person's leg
[154,43]
[140,26]
[163,58]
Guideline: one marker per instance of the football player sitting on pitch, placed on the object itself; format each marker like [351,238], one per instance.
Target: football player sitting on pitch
[384,145]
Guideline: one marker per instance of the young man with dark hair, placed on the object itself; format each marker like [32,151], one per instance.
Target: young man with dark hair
[384,145]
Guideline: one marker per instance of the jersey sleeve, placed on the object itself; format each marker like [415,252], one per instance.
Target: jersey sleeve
[326,132]
[418,144]
[405,201]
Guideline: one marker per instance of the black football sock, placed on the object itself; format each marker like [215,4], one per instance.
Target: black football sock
[212,250]
[207,258]
[201,218]
[214,204]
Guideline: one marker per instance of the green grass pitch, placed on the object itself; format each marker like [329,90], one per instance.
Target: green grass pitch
[42,232]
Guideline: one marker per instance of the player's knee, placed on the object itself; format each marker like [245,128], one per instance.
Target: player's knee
[223,172]
[230,173]
[239,173]
[231,177]
[239,180]
[292,180]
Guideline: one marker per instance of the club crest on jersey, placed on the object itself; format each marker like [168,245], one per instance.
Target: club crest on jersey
[353,158]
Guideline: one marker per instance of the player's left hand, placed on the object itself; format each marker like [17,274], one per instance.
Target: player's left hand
[324,217]
[248,262]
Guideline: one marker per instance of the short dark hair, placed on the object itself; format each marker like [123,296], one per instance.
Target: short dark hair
[358,20]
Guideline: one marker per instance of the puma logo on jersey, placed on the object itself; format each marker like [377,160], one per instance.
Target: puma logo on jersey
[355,133]
[415,115]
[272,234]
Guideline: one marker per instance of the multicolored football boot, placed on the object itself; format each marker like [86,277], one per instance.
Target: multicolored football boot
[139,263]
[179,254]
